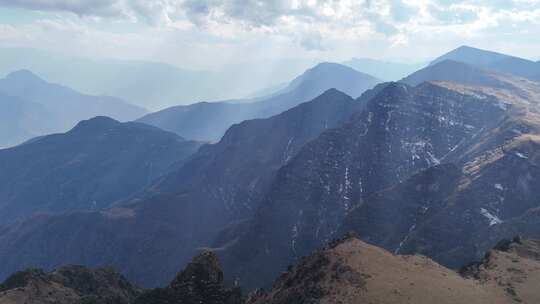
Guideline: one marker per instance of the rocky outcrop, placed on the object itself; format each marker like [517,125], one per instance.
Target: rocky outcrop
[200,282]
[68,285]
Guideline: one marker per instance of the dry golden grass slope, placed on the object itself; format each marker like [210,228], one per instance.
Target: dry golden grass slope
[514,268]
[351,271]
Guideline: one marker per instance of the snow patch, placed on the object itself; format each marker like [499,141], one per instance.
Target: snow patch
[288,153]
[521,155]
[499,187]
[386,124]
[405,239]
[503,106]
[433,161]
[493,220]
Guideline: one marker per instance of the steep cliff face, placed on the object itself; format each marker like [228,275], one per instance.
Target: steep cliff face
[401,131]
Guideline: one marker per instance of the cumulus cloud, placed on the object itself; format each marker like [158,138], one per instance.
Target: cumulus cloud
[314,25]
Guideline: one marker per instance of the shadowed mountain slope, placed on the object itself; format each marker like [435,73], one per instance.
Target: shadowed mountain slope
[401,131]
[90,167]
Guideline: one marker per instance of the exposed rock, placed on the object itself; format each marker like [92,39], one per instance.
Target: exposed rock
[200,282]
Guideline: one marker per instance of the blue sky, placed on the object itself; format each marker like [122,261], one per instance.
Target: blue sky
[206,33]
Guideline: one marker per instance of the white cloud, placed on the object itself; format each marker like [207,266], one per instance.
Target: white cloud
[326,28]
[106,8]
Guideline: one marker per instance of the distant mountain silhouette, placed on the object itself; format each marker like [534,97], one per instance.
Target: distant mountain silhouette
[494,61]
[21,120]
[88,168]
[151,85]
[209,121]
[38,107]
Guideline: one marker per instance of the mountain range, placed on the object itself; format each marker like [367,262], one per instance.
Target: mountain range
[35,107]
[441,164]
[209,121]
[401,131]
[147,84]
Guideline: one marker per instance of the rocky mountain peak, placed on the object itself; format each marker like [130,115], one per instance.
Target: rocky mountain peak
[200,282]
[204,269]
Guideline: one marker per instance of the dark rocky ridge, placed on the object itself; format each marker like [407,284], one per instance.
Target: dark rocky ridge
[401,131]
[200,282]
